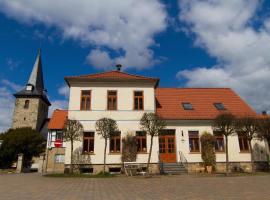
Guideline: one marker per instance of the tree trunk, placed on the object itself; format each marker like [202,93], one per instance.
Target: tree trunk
[105,148]
[251,156]
[71,157]
[227,156]
[150,152]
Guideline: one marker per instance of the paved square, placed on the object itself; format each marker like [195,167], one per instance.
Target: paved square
[34,186]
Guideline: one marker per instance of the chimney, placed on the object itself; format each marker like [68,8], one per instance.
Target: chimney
[118,67]
[264,112]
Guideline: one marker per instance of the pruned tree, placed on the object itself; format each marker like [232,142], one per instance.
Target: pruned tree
[247,127]
[80,159]
[152,124]
[106,127]
[72,132]
[263,129]
[225,125]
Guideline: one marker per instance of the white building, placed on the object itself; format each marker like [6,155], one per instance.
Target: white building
[125,98]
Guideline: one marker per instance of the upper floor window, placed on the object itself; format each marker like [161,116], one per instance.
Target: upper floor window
[141,141]
[115,143]
[112,100]
[86,100]
[243,143]
[187,106]
[219,106]
[88,142]
[138,100]
[194,144]
[26,104]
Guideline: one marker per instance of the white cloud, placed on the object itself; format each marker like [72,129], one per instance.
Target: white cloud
[224,29]
[100,59]
[64,90]
[122,26]
[7,88]
[58,104]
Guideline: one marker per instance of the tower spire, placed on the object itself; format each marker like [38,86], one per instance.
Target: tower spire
[36,77]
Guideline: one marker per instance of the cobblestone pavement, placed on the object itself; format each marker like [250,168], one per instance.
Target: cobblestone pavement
[34,186]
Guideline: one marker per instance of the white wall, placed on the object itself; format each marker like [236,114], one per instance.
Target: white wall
[182,144]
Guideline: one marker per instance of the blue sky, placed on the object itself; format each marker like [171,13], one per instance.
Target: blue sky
[210,43]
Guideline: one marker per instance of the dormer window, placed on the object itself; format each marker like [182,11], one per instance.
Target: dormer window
[219,106]
[26,104]
[29,87]
[187,106]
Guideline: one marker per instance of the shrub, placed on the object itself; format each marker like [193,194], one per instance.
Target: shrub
[129,148]
[208,149]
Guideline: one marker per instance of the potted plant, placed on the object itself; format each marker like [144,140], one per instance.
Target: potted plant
[208,151]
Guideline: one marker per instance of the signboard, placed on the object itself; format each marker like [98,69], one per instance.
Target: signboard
[58,143]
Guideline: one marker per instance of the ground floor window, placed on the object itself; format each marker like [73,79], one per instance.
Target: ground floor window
[243,143]
[219,143]
[88,142]
[59,158]
[194,145]
[141,141]
[115,143]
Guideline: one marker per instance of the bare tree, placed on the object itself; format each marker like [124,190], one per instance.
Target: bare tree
[106,127]
[73,131]
[263,128]
[247,127]
[152,124]
[225,125]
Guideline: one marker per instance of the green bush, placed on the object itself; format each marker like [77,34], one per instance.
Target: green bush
[22,140]
[208,149]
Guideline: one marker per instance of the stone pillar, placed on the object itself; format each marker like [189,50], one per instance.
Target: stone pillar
[19,163]
[41,163]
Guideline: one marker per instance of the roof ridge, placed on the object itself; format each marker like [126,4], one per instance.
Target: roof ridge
[115,71]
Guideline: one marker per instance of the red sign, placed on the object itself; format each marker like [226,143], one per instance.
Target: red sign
[58,143]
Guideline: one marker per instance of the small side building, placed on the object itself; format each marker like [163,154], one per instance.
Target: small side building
[56,156]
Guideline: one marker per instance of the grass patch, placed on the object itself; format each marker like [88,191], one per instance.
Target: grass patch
[99,175]
[7,171]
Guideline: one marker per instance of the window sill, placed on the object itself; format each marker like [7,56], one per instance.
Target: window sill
[194,152]
[142,152]
[117,153]
[86,154]
[220,152]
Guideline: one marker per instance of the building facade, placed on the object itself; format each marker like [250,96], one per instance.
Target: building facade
[188,112]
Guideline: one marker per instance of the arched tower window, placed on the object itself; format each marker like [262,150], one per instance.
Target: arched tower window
[26,104]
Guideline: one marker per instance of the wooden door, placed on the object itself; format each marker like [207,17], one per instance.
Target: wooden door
[167,149]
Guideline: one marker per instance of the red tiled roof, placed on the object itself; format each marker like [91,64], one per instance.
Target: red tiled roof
[169,103]
[58,119]
[112,76]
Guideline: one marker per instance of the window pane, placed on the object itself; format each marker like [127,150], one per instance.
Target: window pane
[138,93]
[91,146]
[112,145]
[87,104]
[187,106]
[118,144]
[141,103]
[219,106]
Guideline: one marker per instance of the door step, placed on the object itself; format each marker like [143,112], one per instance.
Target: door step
[172,168]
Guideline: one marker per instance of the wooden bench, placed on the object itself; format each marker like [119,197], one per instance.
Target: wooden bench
[131,167]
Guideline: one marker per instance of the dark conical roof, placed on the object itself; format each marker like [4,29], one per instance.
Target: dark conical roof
[36,77]
[35,84]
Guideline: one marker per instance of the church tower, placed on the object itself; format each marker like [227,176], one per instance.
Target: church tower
[32,104]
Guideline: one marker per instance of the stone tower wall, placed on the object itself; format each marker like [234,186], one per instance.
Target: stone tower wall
[32,117]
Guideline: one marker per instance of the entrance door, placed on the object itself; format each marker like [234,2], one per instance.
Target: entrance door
[167,150]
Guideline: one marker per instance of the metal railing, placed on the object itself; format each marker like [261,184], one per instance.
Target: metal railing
[183,159]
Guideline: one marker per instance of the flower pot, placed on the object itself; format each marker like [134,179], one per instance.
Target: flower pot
[209,169]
